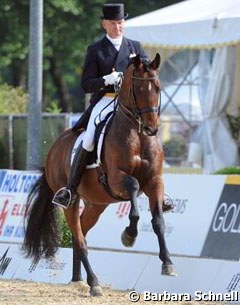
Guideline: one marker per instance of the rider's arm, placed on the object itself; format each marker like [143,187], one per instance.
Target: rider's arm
[91,80]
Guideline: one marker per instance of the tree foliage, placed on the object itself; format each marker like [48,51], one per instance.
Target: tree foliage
[69,27]
[12,100]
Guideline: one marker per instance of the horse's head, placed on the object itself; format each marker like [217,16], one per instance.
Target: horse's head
[140,94]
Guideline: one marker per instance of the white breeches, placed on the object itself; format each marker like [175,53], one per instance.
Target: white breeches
[99,112]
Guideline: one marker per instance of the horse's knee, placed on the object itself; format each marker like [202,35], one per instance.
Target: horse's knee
[134,217]
[131,183]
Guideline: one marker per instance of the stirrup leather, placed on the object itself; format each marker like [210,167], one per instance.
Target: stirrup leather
[55,201]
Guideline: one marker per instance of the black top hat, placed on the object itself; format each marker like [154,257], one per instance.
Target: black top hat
[114,11]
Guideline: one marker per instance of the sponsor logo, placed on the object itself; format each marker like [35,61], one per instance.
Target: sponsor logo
[123,209]
[125,206]
[2,175]
[180,205]
[4,262]
[223,239]
[227,218]
[234,283]
[146,226]
[11,215]
[18,183]
[49,264]
[33,266]
[3,214]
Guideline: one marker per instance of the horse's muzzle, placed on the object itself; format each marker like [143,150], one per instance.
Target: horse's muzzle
[149,131]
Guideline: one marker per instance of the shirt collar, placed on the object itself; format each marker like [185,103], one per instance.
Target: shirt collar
[115,41]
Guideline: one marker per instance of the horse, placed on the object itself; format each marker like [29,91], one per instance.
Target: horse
[132,161]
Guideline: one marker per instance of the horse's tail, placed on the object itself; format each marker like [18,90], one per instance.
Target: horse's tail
[41,221]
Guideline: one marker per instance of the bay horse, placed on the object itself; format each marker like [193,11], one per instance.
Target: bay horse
[132,162]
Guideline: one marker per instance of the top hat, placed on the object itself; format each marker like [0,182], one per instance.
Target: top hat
[113,11]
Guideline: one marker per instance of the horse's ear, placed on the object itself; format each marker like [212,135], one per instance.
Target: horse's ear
[136,61]
[156,62]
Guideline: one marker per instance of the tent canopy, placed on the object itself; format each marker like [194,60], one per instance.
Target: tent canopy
[189,24]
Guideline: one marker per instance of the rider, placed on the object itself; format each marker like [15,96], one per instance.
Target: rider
[105,61]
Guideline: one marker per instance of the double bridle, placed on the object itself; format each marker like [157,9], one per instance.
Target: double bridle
[136,112]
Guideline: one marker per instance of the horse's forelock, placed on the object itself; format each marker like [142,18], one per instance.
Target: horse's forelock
[145,65]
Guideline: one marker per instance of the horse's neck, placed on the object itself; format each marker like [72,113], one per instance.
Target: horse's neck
[125,119]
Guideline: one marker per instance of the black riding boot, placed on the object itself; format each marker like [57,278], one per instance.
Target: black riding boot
[67,195]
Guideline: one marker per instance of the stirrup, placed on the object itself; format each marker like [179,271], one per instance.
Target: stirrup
[168,203]
[57,202]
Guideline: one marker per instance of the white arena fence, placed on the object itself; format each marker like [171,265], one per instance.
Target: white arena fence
[202,234]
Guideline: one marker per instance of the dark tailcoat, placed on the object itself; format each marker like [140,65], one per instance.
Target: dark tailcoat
[101,59]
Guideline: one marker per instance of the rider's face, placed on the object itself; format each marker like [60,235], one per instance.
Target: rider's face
[114,28]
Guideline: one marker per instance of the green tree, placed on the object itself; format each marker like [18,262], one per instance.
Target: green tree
[69,27]
[174,149]
[13,41]
[67,31]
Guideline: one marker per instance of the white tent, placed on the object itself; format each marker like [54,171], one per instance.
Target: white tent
[202,24]
[192,23]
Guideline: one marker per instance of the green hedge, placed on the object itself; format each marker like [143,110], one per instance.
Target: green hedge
[228,171]
[66,235]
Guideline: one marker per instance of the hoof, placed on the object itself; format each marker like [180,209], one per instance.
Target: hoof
[96,291]
[78,283]
[168,270]
[168,204]
[127,240]
[83,286]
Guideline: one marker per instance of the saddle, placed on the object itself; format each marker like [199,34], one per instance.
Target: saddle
[94,159]
[102,130]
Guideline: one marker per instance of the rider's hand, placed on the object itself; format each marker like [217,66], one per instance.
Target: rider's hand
[113,78]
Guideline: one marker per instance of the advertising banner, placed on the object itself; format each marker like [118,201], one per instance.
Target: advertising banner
[228,278]
[10,259]
[195,198]
[14,188]
[223,239]
[191,276]
[206,213]
[14,265]
[55,270]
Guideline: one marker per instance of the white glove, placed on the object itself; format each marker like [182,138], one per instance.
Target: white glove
[113,78]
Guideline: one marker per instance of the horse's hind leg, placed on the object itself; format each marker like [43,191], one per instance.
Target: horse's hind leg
[88,219]
[130,233]
[76,271]
[80,249]
[90,216]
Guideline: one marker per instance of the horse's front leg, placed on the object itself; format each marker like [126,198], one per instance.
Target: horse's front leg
[128,186]
[155,195]
[130,233]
